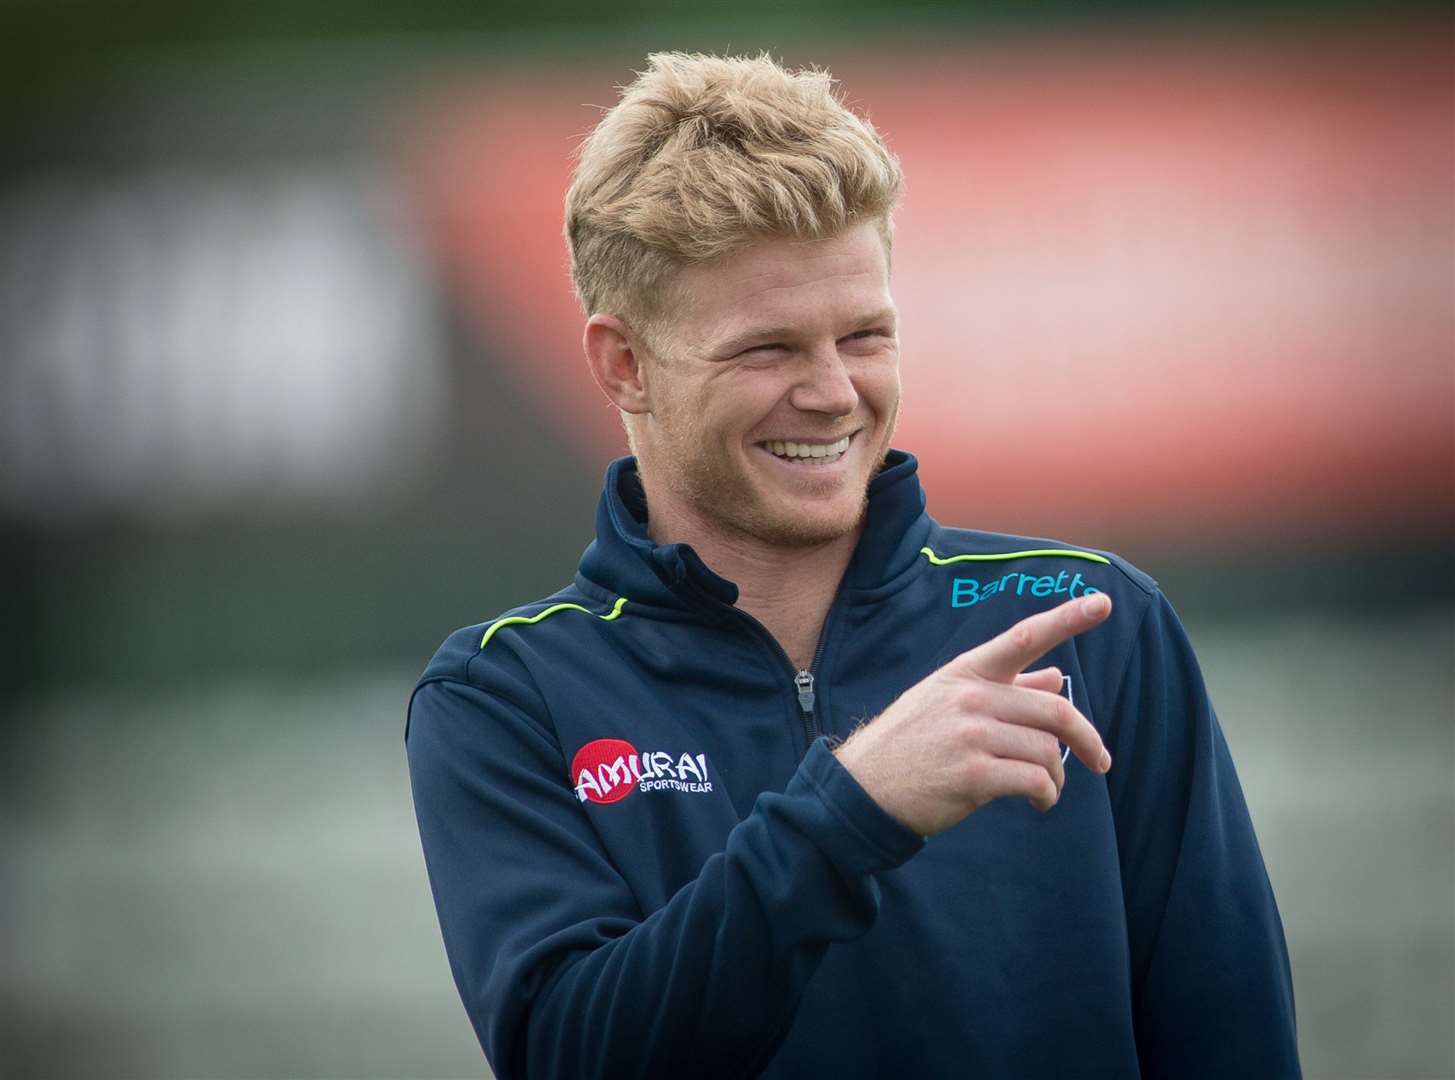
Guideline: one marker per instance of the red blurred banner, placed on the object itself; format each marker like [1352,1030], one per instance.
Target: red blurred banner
[1188,286]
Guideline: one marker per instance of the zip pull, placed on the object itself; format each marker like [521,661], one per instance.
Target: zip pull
[804,682]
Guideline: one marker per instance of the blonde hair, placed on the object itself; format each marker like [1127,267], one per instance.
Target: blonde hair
[705,154]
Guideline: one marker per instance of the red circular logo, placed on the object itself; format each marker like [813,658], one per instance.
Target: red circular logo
[605,771]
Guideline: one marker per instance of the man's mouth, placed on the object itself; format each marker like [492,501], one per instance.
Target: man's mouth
[807,453]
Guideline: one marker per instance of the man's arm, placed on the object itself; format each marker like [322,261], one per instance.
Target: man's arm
[561,973]
[1213,994]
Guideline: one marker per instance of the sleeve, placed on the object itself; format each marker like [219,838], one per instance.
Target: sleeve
[1213,994]
[560,972]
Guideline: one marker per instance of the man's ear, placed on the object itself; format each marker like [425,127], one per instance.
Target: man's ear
[613,353]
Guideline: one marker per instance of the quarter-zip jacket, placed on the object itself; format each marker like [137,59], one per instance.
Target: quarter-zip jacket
[648,862]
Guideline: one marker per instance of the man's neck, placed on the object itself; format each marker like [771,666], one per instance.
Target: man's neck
[787,589]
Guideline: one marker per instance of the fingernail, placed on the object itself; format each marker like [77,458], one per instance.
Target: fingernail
[1105,760]
[1093,605]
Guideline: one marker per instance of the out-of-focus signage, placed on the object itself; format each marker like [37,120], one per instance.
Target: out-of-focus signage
[1189,286]
[175,340]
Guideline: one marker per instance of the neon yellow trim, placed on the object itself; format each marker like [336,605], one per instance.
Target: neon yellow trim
[935,560]
[521,620]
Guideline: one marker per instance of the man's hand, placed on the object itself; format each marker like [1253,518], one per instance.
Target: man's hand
[979,729]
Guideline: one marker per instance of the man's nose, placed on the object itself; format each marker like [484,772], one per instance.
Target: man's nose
[823,384]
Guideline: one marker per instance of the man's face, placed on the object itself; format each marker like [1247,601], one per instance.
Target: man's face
[774,395]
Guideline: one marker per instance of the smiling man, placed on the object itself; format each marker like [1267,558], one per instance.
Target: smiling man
[761,792]
[759,415]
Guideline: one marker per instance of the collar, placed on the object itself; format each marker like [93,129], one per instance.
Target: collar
[625,561]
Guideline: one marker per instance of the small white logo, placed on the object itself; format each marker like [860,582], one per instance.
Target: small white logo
[1065,689]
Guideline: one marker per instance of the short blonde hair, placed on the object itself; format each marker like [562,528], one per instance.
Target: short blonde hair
[705,154]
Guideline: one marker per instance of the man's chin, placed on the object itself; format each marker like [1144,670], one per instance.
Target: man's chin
[790,529]
[801,538]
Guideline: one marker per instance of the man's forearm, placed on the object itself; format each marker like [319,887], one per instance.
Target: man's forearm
[560,974]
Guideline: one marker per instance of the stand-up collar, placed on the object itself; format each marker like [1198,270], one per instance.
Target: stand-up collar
[896,526]
[624,560]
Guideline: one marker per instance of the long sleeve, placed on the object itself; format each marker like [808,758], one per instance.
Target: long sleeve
[1213,994]
[561,972]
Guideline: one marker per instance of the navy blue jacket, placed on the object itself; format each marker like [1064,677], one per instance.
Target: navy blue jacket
[648,862]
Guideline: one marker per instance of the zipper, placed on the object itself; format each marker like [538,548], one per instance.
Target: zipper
[803,682]
[804,679]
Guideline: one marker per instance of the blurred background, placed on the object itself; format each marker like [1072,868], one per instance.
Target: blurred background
[290,387]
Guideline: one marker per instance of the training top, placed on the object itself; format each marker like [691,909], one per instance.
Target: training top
[648,862]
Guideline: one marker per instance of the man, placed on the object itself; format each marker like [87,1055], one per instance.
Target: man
[773,786]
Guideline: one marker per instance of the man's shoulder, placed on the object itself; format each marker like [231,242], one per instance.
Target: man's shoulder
[993,580]
[469,653]
[994,554]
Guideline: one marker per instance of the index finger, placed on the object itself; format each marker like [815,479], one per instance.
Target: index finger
[1007,654]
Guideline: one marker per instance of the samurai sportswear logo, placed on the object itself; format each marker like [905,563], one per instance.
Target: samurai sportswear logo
[608,770]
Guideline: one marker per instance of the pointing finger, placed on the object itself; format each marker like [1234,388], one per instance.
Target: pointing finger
[1006,655]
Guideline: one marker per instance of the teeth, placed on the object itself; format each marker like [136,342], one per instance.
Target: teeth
[817,453]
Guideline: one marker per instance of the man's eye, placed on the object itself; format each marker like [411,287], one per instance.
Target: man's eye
[769,347]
